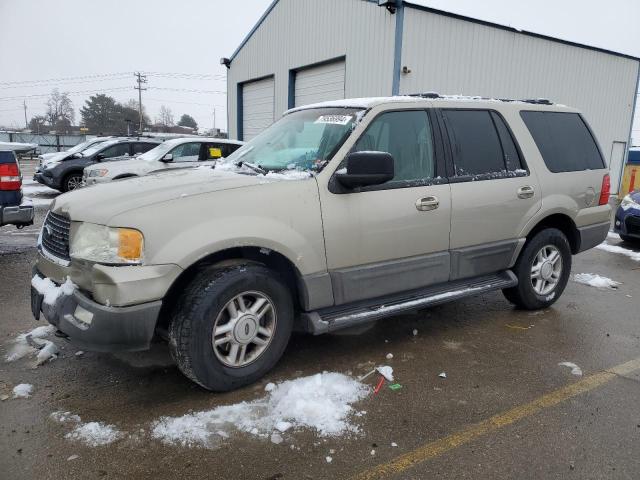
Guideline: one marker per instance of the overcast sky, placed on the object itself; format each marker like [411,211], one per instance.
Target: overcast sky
[51,39]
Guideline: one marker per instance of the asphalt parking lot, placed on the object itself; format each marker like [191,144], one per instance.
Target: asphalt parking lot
[506,408]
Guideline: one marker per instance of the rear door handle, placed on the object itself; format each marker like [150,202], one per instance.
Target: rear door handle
[526,192]
[427,203]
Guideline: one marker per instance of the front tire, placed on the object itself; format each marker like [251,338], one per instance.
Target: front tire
[71,182]
[543,270]
[231,326]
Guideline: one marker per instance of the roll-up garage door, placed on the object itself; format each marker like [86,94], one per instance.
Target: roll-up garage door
[257,107]
[321,83]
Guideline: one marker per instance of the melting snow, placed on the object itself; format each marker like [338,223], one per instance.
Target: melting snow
[321,402]
[23,390]
[50,290]
[21,346]
[595,280]
[386,371]
[93,434]
[622,251]
[575,369]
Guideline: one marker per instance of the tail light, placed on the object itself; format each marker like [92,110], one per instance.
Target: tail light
[605,191]
[10,178]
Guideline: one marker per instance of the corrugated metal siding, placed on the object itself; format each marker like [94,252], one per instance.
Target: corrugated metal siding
[257,103]
[321,83]
[452,56]
[298,33]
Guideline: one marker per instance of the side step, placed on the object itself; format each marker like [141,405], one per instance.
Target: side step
[345,316]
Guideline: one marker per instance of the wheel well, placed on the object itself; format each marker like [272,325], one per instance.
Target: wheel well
[270,258]
[563,223]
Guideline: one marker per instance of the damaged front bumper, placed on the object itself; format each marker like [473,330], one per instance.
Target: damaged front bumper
[95,327]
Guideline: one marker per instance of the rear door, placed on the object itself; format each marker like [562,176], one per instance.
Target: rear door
[392,237]
[493,193]
[185,155]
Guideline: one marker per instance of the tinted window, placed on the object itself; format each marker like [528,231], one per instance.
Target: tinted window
[407,137]
[509,150]
[564,141]
[117,150]
[7,157]
[143,147]
[475,142]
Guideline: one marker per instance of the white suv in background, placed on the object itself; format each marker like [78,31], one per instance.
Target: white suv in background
[172,154]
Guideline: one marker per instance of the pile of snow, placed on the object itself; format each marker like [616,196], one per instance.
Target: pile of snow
[23,390]
[620,250]
[320,402]
[92,434]
[21,346]
[51,291]
[595,280]
[575,369]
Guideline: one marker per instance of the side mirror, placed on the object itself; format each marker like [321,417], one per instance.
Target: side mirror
[366,168]
[100,157]
[167,158]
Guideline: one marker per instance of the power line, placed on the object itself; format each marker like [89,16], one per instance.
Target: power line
[186,103]
[64,79]
[188,90]
[82,92]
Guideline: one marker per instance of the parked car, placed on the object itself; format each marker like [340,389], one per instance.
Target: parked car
[47,158]
[14,209]
[339,214]
[627,223]
[66,175]
[172,154]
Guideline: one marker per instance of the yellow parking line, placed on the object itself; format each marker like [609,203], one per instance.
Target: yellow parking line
[438,447]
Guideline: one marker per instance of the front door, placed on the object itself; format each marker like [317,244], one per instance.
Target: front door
[493,193]
[392,237]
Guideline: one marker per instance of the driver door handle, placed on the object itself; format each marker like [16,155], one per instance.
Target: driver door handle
[425,204]
[526,192]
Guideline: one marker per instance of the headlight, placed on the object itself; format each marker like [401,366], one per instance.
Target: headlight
[628,202]
[97,243]
[98,172]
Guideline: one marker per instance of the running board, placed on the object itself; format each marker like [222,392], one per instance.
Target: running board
[345,316]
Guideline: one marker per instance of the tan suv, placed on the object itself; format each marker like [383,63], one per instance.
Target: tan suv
[340,213]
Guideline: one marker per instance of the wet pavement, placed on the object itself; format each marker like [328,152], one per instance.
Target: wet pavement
[497,359]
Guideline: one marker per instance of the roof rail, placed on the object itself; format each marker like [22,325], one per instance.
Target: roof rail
[538,101]
[425,95]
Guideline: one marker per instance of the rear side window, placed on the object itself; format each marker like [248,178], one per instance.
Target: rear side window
[476,144]
[564,141]
[117,150]
[143,147]
[7,157]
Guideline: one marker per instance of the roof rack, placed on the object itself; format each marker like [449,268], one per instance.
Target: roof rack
[538,101]
[425,95]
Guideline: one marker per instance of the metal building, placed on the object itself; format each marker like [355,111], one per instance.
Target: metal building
[305,51]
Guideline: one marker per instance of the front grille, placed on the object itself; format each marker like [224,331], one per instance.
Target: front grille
[633,225]
[55,235]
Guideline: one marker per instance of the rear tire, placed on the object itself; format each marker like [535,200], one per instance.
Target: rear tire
[72,182]
[543,270]
[250,343]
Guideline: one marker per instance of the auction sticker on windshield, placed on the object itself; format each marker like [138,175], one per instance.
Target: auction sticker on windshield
[334,119]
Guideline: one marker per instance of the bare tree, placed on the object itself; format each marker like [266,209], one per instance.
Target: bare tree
[59,109]
[166,117]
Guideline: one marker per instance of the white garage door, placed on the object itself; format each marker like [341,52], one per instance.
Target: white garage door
[257,107]
[318,84]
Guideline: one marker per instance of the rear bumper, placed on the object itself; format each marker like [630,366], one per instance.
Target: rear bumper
[592,235]
[96,327]
[18,215]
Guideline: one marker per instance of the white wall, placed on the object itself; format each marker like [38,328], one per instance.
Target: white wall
[301,32]
[453,56]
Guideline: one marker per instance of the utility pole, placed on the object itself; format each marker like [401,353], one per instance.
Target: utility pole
[140,79]
[24,104]
[214,118]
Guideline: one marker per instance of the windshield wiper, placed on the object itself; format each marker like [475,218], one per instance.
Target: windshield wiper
[255,168]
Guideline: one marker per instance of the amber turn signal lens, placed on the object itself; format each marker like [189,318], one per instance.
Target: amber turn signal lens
[130,244]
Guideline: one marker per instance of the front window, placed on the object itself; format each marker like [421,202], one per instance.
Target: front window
[302,140]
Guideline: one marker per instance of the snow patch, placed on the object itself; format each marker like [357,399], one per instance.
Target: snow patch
[575,369]
[92,434]
[386,371]
[21,346]
[594,280]
[23,390]
[51,291]
[321,402]
[619,250]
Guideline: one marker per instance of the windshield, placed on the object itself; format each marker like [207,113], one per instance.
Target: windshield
[97,147]
[82,146]
[302,140]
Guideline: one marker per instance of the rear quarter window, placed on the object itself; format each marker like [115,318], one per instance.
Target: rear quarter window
[7,157]
[564,141]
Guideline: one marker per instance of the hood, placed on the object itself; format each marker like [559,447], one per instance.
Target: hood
[55,157]
[635,196]
[99,203]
